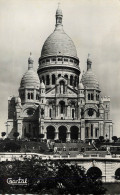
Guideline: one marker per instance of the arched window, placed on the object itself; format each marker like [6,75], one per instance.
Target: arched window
[65,60]
[88,96]
[96,132]
[86,132]
[92,97]
[62,87]
[47,60]
[29,128]
[66,76]
[32,96]
[29,96]
[71,80]
[59,59]
[62,107]
[71,60]
[37,96]
[73,113]
[43,79]
[96,97]
[75,82]
[50,113]
[24,131]
[91,130]
[47,80]
[53,79]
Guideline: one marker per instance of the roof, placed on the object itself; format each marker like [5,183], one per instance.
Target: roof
[89,79]
[58,43]
[30,79]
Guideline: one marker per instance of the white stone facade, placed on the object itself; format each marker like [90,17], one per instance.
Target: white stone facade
[54,102]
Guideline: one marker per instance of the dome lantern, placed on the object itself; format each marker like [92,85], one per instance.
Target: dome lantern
[89,62]
[59,16]
[30,62]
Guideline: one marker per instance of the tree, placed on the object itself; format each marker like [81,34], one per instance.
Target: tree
[3,134]
[48,177]
[114,138]
[15,134]
[75,181]
[28,135]
[101,138]
[12,147]
[41,136]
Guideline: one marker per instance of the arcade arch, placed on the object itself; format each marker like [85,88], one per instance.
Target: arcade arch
[62,133]
[50,132]
[74,132]
[117,174]
[94,172]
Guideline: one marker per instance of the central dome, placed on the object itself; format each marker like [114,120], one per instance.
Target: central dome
[58,43]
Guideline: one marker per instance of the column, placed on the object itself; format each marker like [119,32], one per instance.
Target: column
[82,129]
[50,78]
[34,94]
[56,135]
[89,131]
[68,136]
[19,128]
[66,110]
[25,95]
[79,134]
[53,112]
[56,110]
[94,95]
[45,135]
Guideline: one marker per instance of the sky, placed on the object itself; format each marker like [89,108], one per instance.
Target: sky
[94,27]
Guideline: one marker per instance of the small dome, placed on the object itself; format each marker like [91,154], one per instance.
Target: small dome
[31,79]
[89,80]
[80,86]
[42,85]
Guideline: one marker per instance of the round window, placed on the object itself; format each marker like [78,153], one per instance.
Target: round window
[30,112]
[90,112]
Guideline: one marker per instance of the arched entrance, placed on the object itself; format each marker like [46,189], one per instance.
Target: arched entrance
[94,172]
[74,132]
[50,132]
[117,174]
[62,133]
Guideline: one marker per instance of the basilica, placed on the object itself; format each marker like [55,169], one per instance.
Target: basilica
[54,103]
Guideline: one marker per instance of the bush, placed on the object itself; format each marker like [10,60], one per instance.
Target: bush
[46,177]
[12,147]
